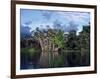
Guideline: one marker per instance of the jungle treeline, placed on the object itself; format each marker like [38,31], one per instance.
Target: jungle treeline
[54,48]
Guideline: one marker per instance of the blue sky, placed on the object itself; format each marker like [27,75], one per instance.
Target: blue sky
[41,18]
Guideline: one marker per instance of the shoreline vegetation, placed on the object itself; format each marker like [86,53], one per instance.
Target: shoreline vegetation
[53,48]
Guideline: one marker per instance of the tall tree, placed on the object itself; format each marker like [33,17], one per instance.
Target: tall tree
[50,40]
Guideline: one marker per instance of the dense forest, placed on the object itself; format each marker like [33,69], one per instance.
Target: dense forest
[51,48]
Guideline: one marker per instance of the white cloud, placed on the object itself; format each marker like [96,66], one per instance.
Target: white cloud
[77,17]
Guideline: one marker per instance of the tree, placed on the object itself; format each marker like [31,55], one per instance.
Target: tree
[85,45]
[50,41]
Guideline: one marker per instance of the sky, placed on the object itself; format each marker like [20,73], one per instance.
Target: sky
[66,20]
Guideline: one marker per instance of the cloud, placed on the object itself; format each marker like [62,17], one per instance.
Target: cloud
[77,17]
[65,20]
[28,23]
[68,20]
[72,26]
[47,14]
[25,31]
[74,20]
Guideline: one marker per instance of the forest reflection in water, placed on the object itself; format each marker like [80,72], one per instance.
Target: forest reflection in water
[53,59]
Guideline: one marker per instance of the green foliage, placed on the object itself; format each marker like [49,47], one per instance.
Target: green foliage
[58,39]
